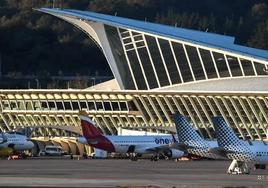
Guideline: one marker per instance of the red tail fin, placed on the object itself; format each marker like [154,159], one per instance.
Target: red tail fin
[88,128]
[94,136]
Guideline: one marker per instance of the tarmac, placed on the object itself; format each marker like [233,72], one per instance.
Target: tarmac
[124,173]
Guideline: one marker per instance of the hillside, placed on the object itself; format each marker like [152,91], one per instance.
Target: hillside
[39,45]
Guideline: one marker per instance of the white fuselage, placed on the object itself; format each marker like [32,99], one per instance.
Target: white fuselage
[15,141]
[261,154]
[139,144]
[257,153]
[142,143]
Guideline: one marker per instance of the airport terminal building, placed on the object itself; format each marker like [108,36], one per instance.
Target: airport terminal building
[158,70]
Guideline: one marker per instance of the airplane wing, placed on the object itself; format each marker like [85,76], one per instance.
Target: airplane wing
[167,147]
[163,148]
[158,149]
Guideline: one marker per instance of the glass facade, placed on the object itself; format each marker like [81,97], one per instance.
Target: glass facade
[260,68]
[247,112]
[170,61]
[221,64]
[149,61]
[136,68]
[247,67]
[148,69]
[234,65]
[183,62]
[157,60]
[195,63]
[119,56]
[58,105]
[209,65]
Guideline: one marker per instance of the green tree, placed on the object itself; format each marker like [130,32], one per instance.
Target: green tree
[260,38]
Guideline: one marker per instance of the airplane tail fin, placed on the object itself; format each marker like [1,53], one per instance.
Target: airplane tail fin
[224,133]
[89,128]
[185,131]
[93,136]
[230,143]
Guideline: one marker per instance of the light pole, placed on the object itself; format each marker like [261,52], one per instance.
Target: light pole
[94,81]
[0,64]
[37,83]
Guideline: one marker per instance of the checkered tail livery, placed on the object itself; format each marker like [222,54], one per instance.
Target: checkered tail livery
[186,133]
[224,133]
[227,139]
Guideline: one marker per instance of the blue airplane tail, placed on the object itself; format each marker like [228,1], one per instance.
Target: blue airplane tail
[224,133]
[230,143]
[185,131]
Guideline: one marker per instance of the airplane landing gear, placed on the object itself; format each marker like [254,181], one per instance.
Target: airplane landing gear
[238,167]
[155,158]
[133,157]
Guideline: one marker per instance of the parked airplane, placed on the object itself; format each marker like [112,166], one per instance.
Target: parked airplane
[240,151]
[191,141]
[136,145]
[16,141]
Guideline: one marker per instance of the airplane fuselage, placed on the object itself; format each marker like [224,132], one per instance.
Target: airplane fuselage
[256,153]
[203,149]
[16,142]
[134,144]
[122,144]
[127,144]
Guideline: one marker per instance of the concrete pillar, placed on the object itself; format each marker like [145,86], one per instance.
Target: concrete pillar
[65,146]
[89,150]
[73,147]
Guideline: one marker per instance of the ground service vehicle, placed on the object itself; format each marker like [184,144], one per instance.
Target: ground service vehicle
[51,150]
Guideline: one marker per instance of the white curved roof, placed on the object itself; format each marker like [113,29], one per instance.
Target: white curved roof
[198,37]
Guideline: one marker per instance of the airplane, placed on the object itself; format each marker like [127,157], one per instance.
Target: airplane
[16,141]
[136,145]
[242,152]
[191,141]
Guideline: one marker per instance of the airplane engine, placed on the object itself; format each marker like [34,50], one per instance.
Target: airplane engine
[81,140]
[1,140]
[12,146]
[16,147]
[260,166]
[174,153]
[20,147]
